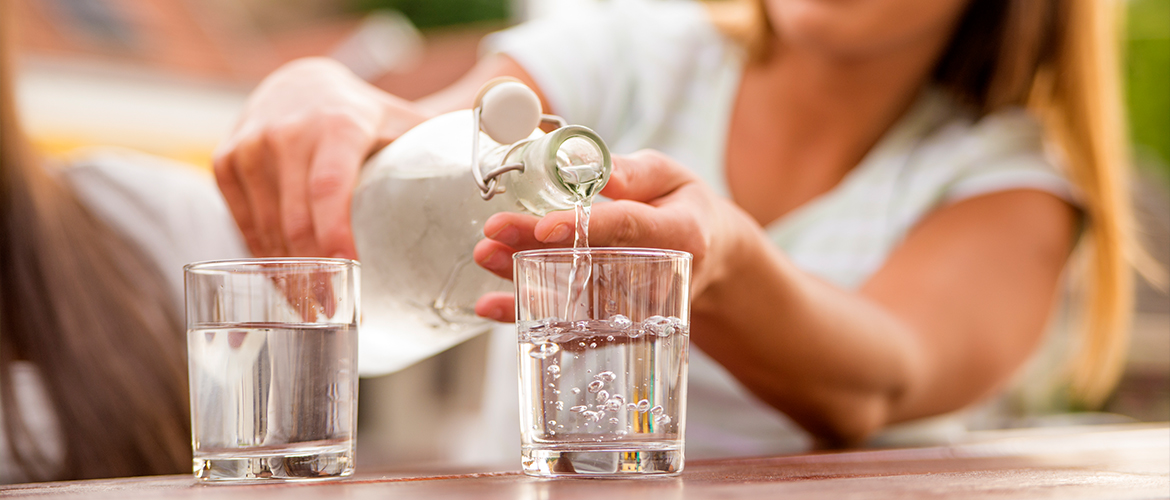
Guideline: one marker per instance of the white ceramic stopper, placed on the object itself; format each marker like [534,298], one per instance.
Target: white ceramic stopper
[510,111]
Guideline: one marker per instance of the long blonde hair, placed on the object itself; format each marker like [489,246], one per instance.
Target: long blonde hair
[1058,58]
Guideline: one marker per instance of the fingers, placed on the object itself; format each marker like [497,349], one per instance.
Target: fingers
[332,176]
[495,257]
[293,153]
[645,176]
[500,306]
[249,186]
[232,189]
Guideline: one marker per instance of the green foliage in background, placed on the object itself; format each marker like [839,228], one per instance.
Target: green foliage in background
[438,13]
[1147,81]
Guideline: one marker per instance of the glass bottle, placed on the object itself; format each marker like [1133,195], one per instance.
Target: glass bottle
[419,210]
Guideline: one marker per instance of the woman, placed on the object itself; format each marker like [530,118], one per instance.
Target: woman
[878,232]
[92,364]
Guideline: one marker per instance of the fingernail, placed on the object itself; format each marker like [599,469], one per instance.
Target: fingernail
[558,234]
[508,235]
[494,260]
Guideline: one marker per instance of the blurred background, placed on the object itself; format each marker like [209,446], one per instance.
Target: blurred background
[169,76]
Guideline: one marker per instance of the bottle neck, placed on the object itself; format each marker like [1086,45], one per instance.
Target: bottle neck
[562,169]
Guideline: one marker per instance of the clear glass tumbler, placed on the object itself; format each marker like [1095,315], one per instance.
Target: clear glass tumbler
[272,357]
[603,336]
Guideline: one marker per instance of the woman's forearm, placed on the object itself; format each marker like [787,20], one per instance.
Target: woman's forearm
[830,359]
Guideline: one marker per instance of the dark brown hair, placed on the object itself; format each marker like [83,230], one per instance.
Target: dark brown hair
[89,310]
[1058,58]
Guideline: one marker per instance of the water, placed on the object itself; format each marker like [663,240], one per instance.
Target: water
[603,393]
[581,180]
[273,401]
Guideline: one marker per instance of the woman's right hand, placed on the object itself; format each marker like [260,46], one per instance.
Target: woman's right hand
[288,169]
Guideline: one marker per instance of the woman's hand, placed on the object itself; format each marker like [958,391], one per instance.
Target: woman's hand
[657,203]
[288,169]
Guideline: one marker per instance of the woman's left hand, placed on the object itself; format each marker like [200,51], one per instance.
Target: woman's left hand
[657,203]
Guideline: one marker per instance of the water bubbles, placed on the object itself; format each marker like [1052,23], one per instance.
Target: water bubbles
[554,370]
[662,420]
[560,405]
[592,345]
[680,326]
[595,386]
[660,326]
[543,350]
[609,338]
[606,376]
[621,432]
[581,344]
[657,410]
[643,406]
[613,420]
[576,390]
[602,396]
[620,323]
[592,416]
[632,407]
[614,403]
[578,408]
[552,423]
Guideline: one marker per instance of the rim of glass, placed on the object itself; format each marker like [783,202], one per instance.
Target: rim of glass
[648,253]
[267,264]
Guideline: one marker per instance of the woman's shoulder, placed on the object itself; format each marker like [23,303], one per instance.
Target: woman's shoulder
[968,155]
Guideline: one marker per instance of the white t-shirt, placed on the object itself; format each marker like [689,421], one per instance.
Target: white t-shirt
[658,74]
[173,212]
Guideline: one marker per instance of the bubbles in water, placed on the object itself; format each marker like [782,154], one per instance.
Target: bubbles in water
[643,406]
[592,416]
[581,344]
[544,349]
[552,423]
[614,403]
[606,376]
[660,326]
[592,345]
[657,410]
[578,408]
[620,323]
[613,420]
[576,390]
[602,396]
[554,370]
[662,420]
[560,405]
[680,326]
[595,386]
[609,338]
[632,407]
[621,432]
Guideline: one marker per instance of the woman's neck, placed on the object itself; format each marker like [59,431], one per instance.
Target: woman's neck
[803,120]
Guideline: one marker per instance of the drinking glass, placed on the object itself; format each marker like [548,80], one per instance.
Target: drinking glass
[272,358]
[603,336]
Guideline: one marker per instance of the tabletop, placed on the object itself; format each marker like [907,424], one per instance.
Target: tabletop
[1129,461]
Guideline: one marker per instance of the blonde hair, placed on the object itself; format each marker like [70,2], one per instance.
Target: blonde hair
[1058,58]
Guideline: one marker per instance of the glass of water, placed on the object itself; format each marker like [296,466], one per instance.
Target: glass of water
[603,336]
[272,358]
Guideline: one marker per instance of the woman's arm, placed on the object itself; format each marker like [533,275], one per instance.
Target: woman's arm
[952,314]
[289,167]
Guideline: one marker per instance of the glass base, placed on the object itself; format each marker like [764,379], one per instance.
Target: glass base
[288,463]
[610,462]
